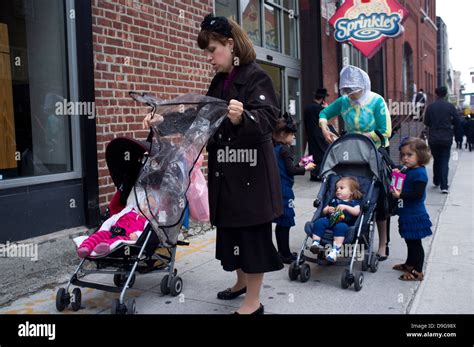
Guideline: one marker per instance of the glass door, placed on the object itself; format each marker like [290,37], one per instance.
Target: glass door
[293,107]
[275,74]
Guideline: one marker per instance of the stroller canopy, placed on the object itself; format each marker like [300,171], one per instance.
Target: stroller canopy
[188,122]
[123,156]
[356,151]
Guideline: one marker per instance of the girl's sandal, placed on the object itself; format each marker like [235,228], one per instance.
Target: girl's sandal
[402,267]
[413,275]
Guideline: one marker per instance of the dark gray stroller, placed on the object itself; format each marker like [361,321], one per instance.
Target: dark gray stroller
[356,156]
[157,172]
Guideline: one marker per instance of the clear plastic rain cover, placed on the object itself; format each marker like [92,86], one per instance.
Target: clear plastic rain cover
[178,139]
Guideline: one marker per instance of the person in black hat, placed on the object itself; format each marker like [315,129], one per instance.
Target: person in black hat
[441,118]
[283,137]
[317,145]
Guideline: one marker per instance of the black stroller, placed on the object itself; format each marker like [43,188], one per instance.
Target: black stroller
[356,156]
[157,172]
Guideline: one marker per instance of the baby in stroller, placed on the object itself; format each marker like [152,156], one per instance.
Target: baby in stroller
[127,225]
[340,213]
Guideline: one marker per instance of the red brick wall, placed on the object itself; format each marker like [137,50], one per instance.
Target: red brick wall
[143,45]
[329,48]
[422,40]
[329,58]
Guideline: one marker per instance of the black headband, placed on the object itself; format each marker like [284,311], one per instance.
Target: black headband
[289,123]
[218,25]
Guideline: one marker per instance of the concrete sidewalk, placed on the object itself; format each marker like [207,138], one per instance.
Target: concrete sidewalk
[447,287]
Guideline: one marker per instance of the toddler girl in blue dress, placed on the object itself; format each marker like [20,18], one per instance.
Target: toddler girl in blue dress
[414,222]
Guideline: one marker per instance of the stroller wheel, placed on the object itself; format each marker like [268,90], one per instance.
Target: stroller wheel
[359,278]
[365,263]
[165,290]
[62,299]
[117,308]
[345,279]
[131,307]
[293,271]
[374,263]
[76,299]
[176,286]
[121,279]
[305,272]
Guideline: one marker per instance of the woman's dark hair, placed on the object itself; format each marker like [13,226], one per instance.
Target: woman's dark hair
[284,125]
[222,29]
[419,147]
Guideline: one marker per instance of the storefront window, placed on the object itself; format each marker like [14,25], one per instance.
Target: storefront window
[35,137]
[227,8]
[280,19]
[272,28]
[275,74]
[289,23]
[351,56]
[251,20]
[289,4]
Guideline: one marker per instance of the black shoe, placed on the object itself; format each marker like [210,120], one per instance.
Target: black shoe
[260,310]
[384,257]
[228,294]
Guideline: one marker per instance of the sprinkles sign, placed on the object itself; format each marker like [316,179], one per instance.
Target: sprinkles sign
[366,24]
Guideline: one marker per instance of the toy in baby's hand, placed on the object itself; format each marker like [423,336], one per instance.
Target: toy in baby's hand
[336,217]
[306,160]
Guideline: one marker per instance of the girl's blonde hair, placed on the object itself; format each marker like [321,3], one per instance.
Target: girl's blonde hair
[353,186]
[420,147]
[243,46]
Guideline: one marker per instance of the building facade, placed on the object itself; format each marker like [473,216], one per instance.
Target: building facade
[444,70]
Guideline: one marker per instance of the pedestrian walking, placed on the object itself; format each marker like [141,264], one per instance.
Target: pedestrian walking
[441,118]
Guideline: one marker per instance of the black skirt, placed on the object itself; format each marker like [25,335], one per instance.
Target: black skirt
[250,249]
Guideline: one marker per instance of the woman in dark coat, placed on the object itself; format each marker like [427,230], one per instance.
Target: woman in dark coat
[244,185]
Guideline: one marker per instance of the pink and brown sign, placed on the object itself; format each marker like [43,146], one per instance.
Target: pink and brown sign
[366,24]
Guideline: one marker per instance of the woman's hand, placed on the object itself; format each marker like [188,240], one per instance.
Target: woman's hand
[133,236]
[328,135]
[152,118]
[310,166]
[236,109]
[396,193]
[396,170]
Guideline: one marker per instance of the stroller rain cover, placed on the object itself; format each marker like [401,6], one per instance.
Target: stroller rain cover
[188,122]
